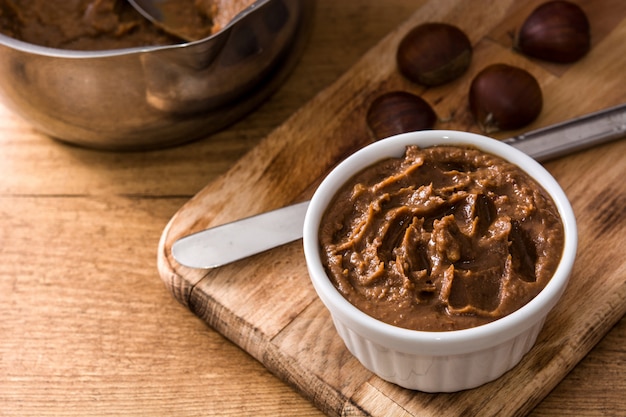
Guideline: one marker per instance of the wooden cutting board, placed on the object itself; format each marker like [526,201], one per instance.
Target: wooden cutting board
[266,304]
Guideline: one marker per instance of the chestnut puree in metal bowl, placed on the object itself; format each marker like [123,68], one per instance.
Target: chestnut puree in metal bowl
[106,24]
[445,238]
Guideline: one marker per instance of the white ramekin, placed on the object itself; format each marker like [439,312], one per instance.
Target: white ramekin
[437,361]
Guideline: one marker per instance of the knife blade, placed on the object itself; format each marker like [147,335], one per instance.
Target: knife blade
[223,244]
[230,242]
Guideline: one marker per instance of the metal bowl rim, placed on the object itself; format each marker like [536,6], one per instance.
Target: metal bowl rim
[85,54]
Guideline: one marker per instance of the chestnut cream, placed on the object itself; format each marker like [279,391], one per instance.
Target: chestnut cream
[444,238]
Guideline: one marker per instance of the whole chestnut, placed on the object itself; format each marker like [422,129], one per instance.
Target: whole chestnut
[398,112]
[504,97]
[434,53]
[556,31]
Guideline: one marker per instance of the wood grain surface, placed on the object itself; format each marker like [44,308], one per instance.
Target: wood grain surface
[89,329]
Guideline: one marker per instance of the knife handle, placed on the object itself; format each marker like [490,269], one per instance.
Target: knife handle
[572,135]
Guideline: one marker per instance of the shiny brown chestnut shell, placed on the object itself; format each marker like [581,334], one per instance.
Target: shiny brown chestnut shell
[398,112]
[434,53]
[556,31]
[504,97]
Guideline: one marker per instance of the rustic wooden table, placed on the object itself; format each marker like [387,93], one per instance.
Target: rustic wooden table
[88,328]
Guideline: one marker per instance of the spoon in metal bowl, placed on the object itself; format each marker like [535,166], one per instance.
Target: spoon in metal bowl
[190,22]
[174,19]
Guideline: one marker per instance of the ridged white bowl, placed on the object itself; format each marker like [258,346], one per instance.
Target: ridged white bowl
[437,361]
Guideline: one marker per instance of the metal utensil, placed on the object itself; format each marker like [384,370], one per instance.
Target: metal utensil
[242,238]
[174,19]
[230,242]
[160,14]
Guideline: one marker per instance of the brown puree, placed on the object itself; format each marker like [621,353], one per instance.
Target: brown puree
[445,238]
[107,24]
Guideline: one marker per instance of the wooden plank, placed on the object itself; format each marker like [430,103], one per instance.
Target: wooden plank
[266,305]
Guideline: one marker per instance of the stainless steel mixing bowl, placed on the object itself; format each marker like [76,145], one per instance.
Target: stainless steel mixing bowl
[152,97]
